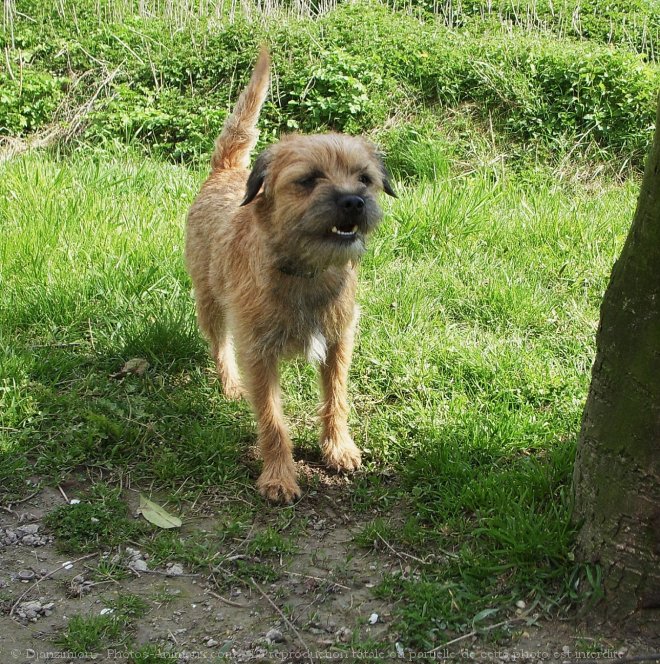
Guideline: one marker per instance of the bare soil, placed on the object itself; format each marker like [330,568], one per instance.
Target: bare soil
[322,601]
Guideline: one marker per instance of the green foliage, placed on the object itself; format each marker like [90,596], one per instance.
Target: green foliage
[270,543]
[100,520]
[633,24]
[349,70]
[91,634]
[581,90]
[343,91]
[171,125]
[28,100]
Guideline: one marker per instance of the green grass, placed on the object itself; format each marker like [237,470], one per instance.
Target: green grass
[92,634]
[480,301]
[95,633]
[100,520]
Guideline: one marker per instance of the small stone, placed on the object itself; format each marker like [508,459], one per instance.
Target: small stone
[274,636]
[139,565]
[373,618]
[520,604]
[26,575]
[211,643]
[49,606]
[344,634]
[174,570]
[29,529]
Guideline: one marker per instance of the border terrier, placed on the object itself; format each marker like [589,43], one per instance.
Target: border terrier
[272,254]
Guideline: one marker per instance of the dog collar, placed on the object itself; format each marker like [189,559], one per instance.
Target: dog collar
[292,270]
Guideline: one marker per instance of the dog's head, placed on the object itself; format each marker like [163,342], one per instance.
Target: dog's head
[316,197]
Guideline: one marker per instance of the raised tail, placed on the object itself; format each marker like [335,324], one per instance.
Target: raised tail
[239,134]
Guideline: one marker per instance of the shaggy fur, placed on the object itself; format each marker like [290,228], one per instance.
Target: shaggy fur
[272,254]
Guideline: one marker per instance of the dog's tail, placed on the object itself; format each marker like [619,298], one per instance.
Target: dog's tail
[239,134]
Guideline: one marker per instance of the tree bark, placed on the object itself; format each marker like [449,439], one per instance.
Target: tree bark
[617,469]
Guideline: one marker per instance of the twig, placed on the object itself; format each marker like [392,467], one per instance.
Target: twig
[400,554]
[228,602]
[318,578]
[286,620]
[165,573]
[66,498]
[23,500]
[510,621]
[9,506]
[68,564]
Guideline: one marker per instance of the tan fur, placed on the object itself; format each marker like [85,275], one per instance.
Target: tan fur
[273,280]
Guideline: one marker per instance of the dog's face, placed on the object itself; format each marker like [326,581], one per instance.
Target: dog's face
[317,197]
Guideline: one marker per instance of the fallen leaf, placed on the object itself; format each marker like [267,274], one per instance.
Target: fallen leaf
[137,366]
[155,514]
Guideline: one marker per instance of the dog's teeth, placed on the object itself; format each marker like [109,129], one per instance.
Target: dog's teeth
[336,231]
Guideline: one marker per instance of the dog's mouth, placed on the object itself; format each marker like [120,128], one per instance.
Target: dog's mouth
[345,232]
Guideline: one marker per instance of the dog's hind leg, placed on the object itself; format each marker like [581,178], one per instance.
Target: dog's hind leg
[211,319]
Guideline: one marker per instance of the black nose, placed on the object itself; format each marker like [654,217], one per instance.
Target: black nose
[351,204]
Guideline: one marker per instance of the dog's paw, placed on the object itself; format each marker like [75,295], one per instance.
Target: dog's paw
[233,390]
[342,455]
[279,486]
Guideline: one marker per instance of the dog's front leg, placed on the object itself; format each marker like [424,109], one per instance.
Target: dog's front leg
[277,481]
[339,450]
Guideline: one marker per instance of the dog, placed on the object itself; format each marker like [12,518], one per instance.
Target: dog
[272,253]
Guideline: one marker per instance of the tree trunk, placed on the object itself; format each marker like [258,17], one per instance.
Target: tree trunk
[617,470]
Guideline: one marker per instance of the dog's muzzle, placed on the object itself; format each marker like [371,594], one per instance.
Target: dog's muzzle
[351,216]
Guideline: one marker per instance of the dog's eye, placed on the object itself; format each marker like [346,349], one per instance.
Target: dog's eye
[365,179]
[309,181]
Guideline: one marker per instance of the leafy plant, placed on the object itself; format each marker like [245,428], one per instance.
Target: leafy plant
[28,100]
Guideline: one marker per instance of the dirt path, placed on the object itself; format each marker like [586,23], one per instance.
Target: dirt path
[325,589]
[322,602]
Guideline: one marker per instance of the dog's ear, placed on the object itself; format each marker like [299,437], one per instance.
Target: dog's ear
[256,178]
[387,185]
